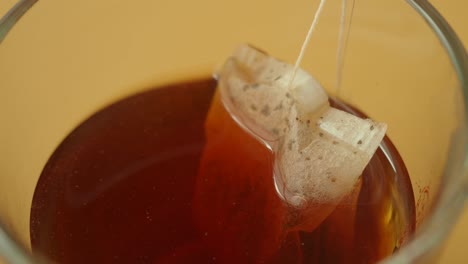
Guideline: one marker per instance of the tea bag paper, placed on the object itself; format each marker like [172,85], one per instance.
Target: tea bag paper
[320,151]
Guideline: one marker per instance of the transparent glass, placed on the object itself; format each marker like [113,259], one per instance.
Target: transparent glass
[65,59]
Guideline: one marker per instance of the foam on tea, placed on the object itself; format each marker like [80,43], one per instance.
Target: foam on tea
[320,151]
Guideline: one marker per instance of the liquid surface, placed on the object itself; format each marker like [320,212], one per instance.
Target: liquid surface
[160,177]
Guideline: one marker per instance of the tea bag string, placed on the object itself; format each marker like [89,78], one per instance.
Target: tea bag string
[306,42]
[343,37]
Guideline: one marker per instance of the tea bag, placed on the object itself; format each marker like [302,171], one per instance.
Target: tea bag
[320,151]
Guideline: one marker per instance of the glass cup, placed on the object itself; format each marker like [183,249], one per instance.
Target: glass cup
[66,59]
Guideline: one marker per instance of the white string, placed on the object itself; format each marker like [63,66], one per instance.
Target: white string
[306,41]
[339,52]
[342,44]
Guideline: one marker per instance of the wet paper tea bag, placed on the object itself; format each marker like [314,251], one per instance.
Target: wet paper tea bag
[320,151]
[276,151]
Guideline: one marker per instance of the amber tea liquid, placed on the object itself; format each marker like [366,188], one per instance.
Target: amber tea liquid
[165,176]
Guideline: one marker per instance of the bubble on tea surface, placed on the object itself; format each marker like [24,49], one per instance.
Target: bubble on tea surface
[320,151]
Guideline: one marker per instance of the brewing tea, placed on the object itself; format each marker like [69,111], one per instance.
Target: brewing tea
[146,180]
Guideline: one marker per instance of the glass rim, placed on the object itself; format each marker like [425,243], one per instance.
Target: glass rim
[454,192]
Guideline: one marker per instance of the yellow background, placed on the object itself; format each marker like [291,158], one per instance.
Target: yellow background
[454,11]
